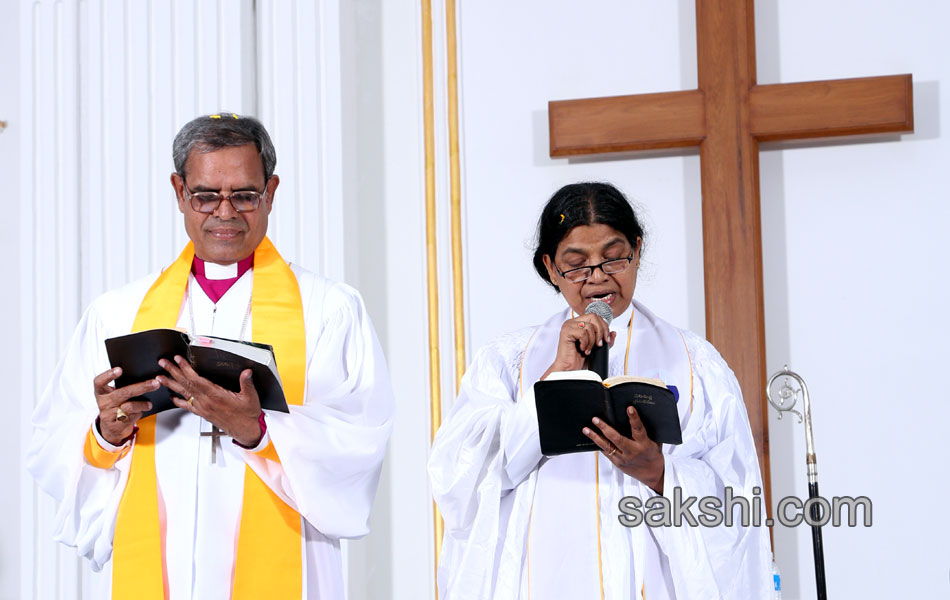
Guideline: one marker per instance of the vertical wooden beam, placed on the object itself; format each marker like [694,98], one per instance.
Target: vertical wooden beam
[732,236]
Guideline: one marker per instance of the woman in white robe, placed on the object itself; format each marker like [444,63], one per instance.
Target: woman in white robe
[522,525]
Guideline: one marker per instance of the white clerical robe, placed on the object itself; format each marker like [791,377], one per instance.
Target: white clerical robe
[331,448]
[520,525]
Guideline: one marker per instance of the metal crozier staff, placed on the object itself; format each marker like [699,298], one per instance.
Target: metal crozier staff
[786,393]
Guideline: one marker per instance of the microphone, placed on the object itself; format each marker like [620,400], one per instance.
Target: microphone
[599,354]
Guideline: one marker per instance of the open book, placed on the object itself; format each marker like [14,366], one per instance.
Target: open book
[219,360]
[568,400]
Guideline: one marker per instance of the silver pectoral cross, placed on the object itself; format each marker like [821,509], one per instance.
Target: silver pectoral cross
[214,434]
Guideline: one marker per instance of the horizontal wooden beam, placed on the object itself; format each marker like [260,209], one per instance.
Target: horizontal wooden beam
[838,107]
[626,123]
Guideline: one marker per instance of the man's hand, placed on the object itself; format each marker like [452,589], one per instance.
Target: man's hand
[637,456]
[236,414]
[117,413]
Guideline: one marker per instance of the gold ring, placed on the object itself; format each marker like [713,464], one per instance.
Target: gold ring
[120,415]
[191,402]
[612,451]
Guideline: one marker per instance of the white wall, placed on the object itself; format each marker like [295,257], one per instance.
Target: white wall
[855,287]
[103,87]
[11,359]
[856,298]
[850,230]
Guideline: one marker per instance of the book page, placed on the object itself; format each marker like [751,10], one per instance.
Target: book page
[253,352]
[633,379]
[583,374]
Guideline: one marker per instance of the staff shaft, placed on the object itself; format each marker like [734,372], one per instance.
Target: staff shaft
[817,543]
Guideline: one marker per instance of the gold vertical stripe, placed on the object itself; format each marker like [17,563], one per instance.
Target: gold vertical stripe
[600,559]
[455,186]
[626,356]
[432,284]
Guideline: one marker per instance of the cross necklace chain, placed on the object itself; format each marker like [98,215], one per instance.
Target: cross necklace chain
[215,433]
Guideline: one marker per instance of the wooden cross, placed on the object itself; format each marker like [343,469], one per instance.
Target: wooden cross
[727,116]
[214,434]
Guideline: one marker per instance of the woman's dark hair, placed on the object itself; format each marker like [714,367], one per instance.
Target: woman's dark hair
[584,203]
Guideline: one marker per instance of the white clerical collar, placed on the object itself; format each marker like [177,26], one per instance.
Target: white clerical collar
[216,271]
[620,322]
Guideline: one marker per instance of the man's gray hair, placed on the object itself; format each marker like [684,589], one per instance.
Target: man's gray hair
[223,130]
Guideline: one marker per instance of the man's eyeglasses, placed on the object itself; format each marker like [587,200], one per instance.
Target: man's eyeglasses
[208,202]
[609,267]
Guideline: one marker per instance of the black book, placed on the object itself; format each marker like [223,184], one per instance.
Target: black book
[567,401]
[219,360]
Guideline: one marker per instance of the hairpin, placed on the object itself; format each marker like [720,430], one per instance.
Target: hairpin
[562,219]
[233,116]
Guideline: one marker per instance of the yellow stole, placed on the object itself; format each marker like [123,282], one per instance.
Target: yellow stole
[268,561]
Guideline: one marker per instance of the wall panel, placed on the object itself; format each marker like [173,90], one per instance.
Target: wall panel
[12,359]
[104,86]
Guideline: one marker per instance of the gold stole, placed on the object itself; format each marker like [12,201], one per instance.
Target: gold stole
[268,561]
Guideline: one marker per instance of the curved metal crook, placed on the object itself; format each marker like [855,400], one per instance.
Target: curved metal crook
[787,395]
[787,392]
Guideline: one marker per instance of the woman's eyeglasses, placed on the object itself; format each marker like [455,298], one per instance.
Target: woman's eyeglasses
[609,267]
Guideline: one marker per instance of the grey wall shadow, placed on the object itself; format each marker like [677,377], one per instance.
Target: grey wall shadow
[926,111]
[775,293]
[361,33]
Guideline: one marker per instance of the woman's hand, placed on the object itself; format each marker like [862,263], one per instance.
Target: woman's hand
[578,337]
[637,456]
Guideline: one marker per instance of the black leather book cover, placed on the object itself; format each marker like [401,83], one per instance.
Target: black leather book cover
[656,407]
[224,368]
[566,406]
[138,355]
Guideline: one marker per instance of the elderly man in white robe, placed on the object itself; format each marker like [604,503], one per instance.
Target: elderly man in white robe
[218,498]
[519,525]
